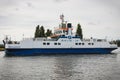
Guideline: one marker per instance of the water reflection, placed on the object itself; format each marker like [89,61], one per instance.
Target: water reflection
[64,66]
[85,67]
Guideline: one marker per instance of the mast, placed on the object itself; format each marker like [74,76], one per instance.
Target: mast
[62,18]
[62,21]
[65,25]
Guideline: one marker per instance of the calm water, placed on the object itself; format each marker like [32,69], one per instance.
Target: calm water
[61,67]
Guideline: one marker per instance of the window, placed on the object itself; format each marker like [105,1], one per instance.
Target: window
[89,43]
[79,43]
[76,43]
[44,43]
[92,43]
[59,43]
[48,43]
[55,43]
[82,43]
[99,40]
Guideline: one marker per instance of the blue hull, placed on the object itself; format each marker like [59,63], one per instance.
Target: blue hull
[38,51]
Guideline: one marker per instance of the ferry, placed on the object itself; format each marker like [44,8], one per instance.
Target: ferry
[62,42]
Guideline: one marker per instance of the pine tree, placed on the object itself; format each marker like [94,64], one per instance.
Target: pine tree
[79,31]
[37,32]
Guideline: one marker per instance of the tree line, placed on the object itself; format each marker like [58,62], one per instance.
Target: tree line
[40,32]
[115,42]
[1,46]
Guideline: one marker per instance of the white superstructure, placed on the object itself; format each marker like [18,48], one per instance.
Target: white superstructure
[61,43]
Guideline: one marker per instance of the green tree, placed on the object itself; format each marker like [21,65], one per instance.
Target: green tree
[42,31]
[1,46]
[118,43]
[37,32]
[79,31]
[48,33]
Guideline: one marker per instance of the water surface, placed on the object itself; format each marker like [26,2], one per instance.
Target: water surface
[61,67]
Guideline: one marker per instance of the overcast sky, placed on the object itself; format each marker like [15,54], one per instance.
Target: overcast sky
[98,18]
